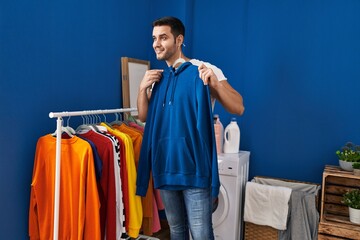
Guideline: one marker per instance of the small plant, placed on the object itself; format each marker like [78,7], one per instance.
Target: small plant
[349,153]
[352,198]
[356,165]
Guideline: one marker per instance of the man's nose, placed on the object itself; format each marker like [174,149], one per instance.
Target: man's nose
[156,43]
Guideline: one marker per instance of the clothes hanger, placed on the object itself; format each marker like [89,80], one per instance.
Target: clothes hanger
[131,118]
[97,125]
[117,121]
[106,123]
[92,123]
[63,130]
[84,127]
[71,130]
[180,60]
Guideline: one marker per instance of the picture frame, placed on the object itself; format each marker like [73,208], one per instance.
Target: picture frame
[133,71]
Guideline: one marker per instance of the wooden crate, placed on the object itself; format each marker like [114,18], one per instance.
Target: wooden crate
[328,237]
[334,215]
[338,230]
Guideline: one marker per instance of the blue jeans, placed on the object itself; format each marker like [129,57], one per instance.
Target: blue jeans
[189,209]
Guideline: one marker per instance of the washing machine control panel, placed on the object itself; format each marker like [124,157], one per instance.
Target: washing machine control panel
[227,167]
[230,164]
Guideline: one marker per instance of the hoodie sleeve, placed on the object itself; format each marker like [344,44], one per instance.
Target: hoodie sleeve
[144,165]
[144,168]
[204,124]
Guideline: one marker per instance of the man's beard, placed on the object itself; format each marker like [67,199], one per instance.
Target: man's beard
[165,55]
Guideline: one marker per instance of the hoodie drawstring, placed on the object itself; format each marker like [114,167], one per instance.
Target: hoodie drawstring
[173,90]
[167,87]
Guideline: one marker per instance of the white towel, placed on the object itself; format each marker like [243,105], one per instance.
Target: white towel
[266,205]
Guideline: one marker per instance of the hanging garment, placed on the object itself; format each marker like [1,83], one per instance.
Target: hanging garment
[179,142]
[124,179]
[147,204]
[120,218]
[266,205]
[136,126]
[136,138]
[134,219]
[303,217]
[79,201]
[151,221]
[97,160]
[107,188]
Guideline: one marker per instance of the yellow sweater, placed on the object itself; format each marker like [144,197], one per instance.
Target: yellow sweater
[79,202]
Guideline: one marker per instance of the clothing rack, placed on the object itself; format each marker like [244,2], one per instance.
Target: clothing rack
[59,126]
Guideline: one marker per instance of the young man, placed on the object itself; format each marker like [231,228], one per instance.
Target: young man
[220,89]
[178,143]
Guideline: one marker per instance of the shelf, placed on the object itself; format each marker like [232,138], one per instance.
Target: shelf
[334,216]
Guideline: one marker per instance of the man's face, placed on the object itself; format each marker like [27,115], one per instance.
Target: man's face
[164,44]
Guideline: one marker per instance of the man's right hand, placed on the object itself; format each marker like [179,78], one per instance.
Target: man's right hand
[150,77]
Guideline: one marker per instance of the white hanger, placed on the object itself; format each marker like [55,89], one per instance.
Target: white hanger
[71,130]
[97,125]
[179,60]
[63,130]
[118,120]
[84,127]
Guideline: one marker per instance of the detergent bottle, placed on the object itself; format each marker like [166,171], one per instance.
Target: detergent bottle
[232,137]
[219,134]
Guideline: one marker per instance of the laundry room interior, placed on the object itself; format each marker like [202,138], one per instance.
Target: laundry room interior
[295,63]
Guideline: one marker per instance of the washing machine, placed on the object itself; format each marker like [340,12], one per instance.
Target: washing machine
[228,216]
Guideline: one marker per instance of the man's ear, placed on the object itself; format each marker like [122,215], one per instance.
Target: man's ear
[179,40]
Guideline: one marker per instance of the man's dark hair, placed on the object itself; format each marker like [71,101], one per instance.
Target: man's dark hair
[177,27]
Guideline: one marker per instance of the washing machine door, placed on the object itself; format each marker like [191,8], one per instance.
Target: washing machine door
[222,209]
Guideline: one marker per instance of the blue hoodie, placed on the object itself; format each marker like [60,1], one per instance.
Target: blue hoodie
[179,143]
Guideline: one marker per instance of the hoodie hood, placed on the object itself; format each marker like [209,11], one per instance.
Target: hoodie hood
[170,75]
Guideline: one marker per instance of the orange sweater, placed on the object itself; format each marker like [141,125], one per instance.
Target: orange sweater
[79,201]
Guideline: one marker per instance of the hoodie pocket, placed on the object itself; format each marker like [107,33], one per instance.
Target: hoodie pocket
[173,155]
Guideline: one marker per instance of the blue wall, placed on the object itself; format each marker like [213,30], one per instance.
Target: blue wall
[56,56]
[296,63]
